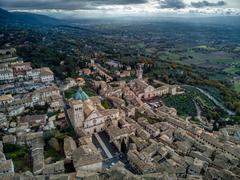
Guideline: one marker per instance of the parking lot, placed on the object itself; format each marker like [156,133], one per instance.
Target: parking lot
[154,103]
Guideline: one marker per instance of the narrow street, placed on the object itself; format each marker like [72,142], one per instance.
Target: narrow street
[199,112]
[104,147]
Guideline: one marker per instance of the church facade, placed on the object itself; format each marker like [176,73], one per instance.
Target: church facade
[87,115]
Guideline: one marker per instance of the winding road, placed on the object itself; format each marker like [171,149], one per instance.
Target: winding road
[219,104]
[231,113]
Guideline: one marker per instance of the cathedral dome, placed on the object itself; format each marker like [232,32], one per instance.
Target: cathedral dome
[80,95]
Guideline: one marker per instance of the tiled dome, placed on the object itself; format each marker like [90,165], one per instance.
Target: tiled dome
[80,95]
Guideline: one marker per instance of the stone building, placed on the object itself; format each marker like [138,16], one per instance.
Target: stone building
[145,91]
[46,75]
[36,144]
[69,146]
[55,168]
[75,113]
[139,71]
[141,89]
[6,99]
[87,158]
[6,75]
[6,168]
[88,115]
[20,67]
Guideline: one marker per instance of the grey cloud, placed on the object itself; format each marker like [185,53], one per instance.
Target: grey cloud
[202,4]
[64,4]
[174,4]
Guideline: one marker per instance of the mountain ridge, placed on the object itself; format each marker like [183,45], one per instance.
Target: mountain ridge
[27,18]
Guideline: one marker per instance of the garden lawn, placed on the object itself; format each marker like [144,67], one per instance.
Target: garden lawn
[19,155]
[70,92]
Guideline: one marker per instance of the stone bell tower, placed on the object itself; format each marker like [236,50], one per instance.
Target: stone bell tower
[139,71]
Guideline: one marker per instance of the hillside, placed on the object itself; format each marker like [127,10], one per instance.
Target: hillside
[26,18]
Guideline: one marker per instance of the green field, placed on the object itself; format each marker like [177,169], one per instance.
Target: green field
[205,47]
[192,56]
[169,56]
[217,76]
[232,70]
[237,86]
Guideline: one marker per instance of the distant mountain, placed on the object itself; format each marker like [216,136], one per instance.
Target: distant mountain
[4,15]
[27,18]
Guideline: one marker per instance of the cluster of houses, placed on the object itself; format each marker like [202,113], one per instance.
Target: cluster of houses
[153,142]
[169,147]
[22,71]
[25,87]
[13,70]
[22,90]
[17,104]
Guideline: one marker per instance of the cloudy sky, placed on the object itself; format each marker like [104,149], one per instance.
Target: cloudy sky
[80,8]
